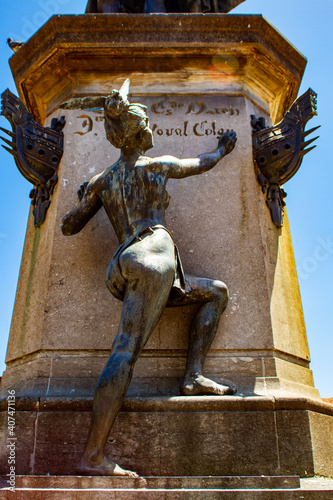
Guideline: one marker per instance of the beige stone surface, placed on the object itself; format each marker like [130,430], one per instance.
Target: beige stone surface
[321,434]
[202,488]
[195,436]
[161,483]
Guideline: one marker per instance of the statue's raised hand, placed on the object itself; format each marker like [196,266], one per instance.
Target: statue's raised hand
[227,141]
[82,190]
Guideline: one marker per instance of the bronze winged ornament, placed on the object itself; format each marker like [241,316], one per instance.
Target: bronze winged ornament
[279,150]
[37,151]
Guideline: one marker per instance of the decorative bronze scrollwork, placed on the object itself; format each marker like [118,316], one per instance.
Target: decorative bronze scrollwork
[278,151]
[37,151]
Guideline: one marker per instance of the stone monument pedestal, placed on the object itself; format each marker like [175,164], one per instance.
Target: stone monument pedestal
[199,77]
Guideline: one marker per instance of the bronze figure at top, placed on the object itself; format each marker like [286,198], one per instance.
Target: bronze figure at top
[160,6]
[145,272]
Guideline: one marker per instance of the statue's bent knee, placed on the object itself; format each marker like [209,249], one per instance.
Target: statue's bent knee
[220,290]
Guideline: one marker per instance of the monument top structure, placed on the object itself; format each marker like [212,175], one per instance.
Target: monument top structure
[95,51]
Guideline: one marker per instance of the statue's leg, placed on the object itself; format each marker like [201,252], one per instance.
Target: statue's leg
[152,6]
[213,295]
[150,276]
[194,6]
[107,6]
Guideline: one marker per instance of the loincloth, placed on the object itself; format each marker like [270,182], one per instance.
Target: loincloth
[117,284]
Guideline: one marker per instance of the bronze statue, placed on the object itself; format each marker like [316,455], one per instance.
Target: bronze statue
[145,272]
[160,6]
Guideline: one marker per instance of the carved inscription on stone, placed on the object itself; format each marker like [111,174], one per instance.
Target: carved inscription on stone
[87,123]
[187,116]
[168,107]
[197,116]
[199,129]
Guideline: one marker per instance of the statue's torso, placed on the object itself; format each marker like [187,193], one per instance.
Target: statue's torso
[134,196]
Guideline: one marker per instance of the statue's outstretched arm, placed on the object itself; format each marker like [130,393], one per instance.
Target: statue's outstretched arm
[77,218]
[84,103]
[194,166]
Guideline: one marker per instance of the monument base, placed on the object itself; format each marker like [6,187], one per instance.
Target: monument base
[188,436]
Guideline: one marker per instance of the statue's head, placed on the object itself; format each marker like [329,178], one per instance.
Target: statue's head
[126,125]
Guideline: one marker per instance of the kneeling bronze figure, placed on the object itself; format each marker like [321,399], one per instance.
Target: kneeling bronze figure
[146,271]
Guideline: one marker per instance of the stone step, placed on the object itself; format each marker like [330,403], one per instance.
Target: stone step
[168,488]
[157,482]
[176,494]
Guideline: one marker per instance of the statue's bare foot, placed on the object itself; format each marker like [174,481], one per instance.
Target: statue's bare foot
[199,385]
[103,468]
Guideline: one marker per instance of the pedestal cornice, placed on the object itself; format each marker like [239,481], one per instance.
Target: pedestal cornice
[80,55]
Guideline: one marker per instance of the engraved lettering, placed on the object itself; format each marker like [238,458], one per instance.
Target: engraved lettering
[190,109]
[193,106]
[169,107]
[200,129]
[160,105]
[202,107]
[173,105]
[87,122]
[195,128]
[160,108]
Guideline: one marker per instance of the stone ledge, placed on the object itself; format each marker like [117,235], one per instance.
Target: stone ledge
[173,30]
[165,437]
[176,403]
[32,488]
[170,495]
[156,482]
[94,50]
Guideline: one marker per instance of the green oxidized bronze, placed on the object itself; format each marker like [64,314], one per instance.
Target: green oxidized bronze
[145,272]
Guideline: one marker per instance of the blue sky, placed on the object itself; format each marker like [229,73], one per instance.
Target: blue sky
[308,26]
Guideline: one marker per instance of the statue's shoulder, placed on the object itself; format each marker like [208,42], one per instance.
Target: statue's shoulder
[97,180]
[165,160]
[159,162]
